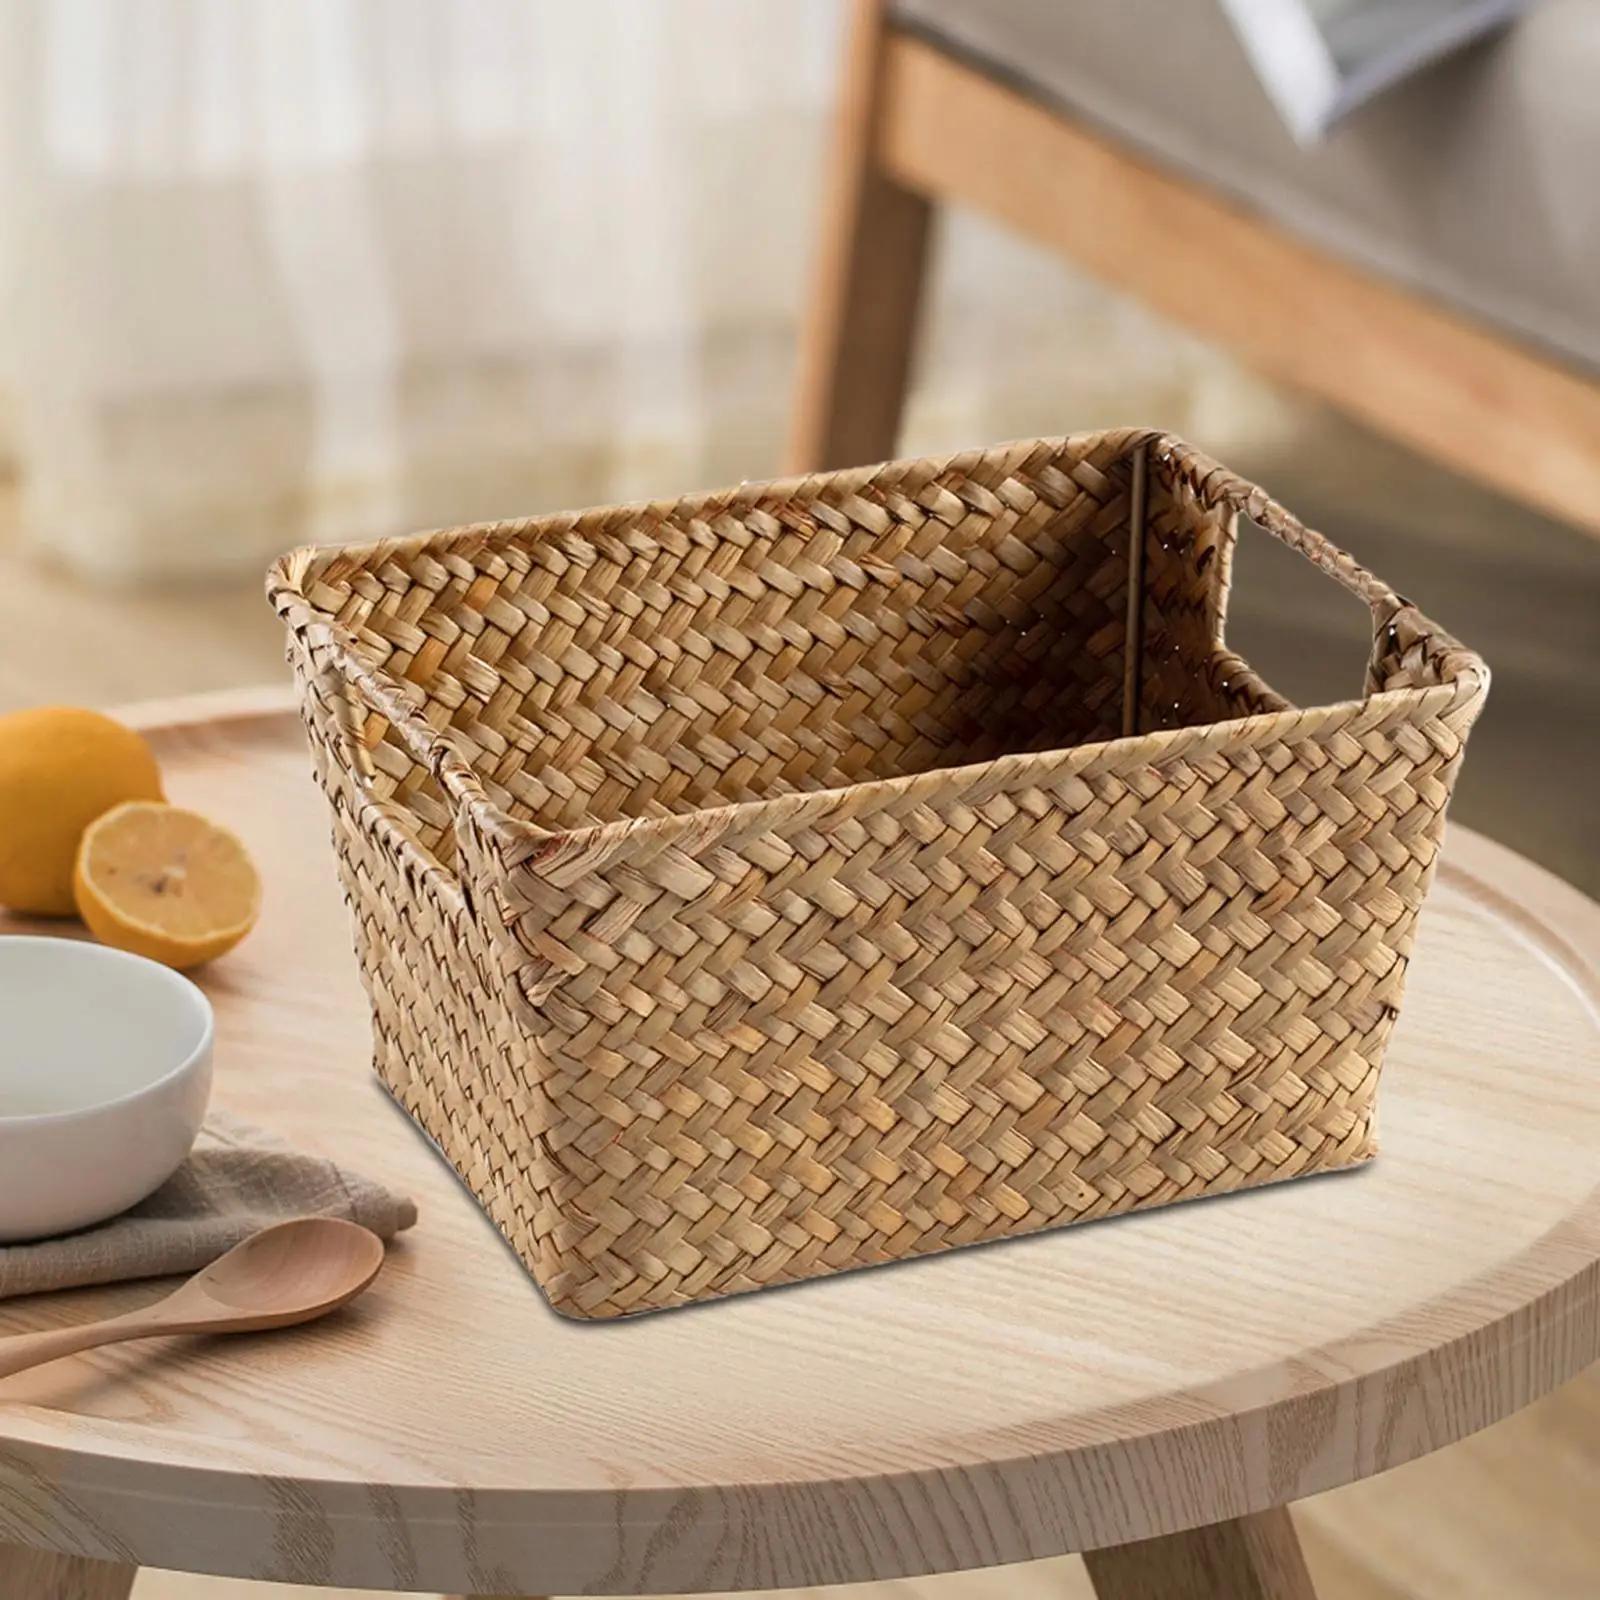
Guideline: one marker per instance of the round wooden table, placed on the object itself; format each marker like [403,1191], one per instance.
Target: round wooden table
[1101,1389]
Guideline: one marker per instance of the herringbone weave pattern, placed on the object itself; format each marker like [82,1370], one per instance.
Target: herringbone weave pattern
[763,884]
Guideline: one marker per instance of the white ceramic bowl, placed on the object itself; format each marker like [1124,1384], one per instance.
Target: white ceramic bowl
[105,1070]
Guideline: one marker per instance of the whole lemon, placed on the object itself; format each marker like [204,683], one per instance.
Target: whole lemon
[60,769]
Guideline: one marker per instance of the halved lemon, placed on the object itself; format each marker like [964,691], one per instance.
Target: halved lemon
[165,883]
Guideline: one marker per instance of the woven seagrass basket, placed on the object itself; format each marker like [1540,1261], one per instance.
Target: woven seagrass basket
[824,872]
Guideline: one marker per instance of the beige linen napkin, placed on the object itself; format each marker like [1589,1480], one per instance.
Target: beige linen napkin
[237,1180]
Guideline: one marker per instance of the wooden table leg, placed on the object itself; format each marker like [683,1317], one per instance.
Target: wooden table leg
[1250,1558]
[39,1575]
[860,323]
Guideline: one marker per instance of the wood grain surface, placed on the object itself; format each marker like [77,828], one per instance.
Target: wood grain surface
[448,1433]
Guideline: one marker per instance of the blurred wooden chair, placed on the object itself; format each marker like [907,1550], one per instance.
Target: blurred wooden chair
[1430,269]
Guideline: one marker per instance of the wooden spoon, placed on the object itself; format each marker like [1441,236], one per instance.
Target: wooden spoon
[289,1273]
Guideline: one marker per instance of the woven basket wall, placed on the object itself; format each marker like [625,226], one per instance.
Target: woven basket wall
[824,872]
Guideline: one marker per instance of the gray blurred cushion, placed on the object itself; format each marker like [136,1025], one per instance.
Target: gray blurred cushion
[1478,181]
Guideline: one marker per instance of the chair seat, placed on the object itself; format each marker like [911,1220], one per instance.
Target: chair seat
[1475,181]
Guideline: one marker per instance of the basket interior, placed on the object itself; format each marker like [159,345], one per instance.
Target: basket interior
[640,661]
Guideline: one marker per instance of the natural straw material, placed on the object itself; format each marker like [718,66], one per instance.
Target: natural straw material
[762,884]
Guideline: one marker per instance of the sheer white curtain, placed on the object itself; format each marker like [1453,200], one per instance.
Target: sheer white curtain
[284,269]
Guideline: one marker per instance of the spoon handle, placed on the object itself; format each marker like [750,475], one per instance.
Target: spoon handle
[24,1350]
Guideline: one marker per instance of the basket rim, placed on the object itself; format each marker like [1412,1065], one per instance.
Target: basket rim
[288,573]
[315,632]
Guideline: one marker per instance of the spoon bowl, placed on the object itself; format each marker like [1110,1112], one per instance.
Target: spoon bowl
[291,1272]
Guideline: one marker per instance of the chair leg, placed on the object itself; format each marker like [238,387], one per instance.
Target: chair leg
[39,1575]
[855,348]
[1250,1558]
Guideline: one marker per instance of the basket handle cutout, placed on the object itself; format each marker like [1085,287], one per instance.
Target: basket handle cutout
[1408,651]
